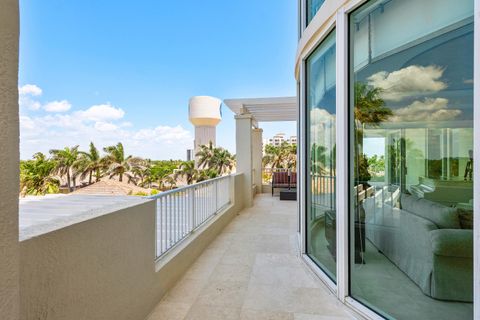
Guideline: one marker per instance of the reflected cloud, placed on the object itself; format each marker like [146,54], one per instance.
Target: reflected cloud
[430,109]
[320,116]
[322,128]
[408,82]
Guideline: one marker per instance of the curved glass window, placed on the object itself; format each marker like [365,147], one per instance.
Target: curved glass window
[411,158]
[312,8]
[320,171]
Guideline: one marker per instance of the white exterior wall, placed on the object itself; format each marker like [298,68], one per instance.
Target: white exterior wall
[244,155]
[104,268]
[257,155]
[9,160]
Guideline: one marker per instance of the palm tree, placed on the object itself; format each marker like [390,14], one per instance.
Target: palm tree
[207,174]
[91,163]
[222,161]
[214,159]
[283,156]
[167,182]
[65,160]
[273,157]
[205,155]
[291,155]
[118,164]
[36,176]
[143,174]
[187,170]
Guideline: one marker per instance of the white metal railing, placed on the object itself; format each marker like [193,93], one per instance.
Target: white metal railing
[180,211]
[323,191]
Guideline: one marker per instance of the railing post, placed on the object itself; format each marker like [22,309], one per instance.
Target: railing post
[158,228]
[216,195]
[192,202]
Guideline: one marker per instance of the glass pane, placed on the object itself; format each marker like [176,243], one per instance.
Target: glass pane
[312,8]
[411,133]
[321,212]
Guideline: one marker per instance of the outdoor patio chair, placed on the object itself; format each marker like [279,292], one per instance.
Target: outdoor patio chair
[280,180]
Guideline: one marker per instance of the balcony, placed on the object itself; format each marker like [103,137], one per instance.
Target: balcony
[252,270]
[193,253]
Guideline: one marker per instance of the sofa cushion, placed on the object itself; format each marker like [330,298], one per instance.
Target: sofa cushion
[466,218]
[444,217]
[452,243]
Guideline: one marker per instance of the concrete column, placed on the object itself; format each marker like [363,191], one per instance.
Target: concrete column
[257,155]
[244,155]
[9,160]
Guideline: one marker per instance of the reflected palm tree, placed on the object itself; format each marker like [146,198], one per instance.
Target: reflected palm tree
[369,108]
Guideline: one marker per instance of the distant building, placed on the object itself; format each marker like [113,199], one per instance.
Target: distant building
[190,155]
[280,138]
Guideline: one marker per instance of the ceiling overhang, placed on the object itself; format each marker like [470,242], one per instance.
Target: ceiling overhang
[265,109]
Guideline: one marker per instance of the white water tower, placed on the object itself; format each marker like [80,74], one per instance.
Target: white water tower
[205,114]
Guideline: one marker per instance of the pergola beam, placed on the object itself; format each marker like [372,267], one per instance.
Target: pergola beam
[265,109]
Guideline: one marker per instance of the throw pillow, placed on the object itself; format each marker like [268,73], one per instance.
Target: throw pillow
[466,218]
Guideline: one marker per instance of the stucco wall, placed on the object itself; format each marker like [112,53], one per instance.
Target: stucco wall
[9,157]
[104,268]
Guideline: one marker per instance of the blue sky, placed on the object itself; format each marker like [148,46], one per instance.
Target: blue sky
[124,70]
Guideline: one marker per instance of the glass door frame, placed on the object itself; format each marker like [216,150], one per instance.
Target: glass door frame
[339,21]
[476,150]
[303,157]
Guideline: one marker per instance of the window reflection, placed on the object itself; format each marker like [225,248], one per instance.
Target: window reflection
[312,8]
[321,211]
[411,158]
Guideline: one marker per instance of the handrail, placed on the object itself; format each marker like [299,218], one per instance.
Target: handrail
[179,212]
[164,193]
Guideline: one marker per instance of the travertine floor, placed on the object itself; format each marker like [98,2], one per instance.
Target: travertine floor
[252,271]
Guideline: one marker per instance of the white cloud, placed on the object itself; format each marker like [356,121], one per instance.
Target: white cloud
[322,127]
[126,124]
[26,102]
[30,89]
[408,82]
[43,133]
[26,123]
[102,112]
[105,126]
[58,106]
[163,134]
[430,109]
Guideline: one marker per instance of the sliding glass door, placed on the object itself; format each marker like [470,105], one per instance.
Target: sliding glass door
[321,148]
[411,158]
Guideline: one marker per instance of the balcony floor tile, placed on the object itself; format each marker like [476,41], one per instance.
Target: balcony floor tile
[253,271]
